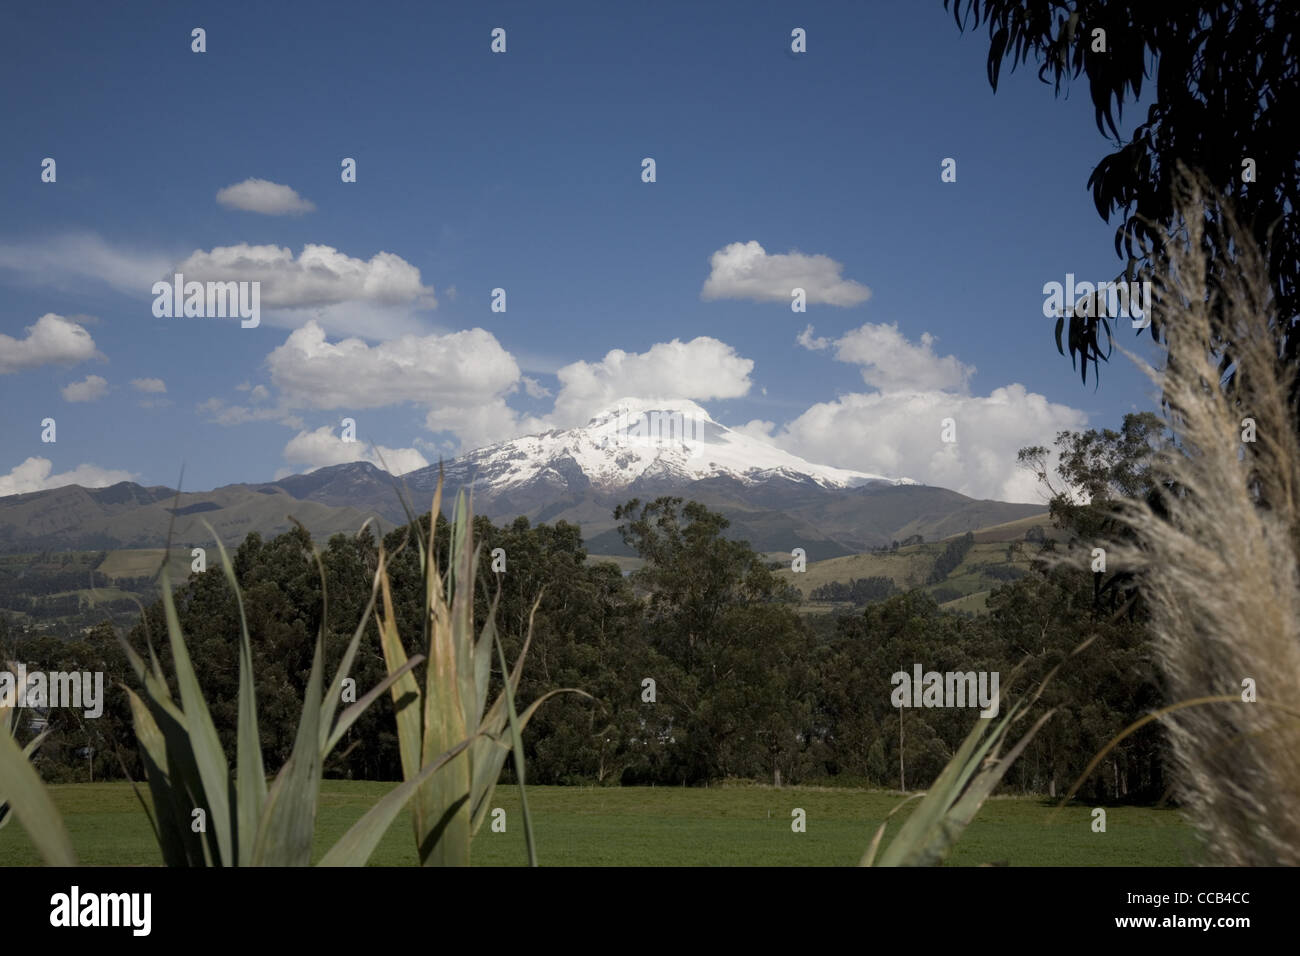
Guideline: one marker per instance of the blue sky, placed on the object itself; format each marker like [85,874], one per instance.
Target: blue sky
[523,170]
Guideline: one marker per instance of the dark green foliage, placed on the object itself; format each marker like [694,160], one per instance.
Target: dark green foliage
[80,748]
[953,555]
[859,590]
[1003,572]
[743,686]
[1226,87]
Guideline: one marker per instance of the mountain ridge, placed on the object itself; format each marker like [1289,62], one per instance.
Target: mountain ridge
[633,449]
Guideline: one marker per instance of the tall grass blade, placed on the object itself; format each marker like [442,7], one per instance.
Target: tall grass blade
[208,755]
[250,796]
[355,847]
[31,804]
[289,819]
[517,746]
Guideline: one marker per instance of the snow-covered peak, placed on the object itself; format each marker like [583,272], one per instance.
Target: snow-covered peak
[666,439]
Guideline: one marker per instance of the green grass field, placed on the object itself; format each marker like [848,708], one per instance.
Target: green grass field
[667,826]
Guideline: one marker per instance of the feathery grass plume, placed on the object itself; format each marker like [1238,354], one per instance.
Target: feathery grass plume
[451,807]
[1216,548]
[245,823]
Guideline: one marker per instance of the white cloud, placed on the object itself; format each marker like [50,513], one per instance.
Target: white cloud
[90,389]
[51,340]
[461,378]
[67,260]
[900,434]
[149,385]
[897,429]
[757,428]
[891,363]
[482,424]
[810,342]
[34,474]
[321,276]
[701,369]
[744,270]
[221,413]
[464,368]
[535,389]
[256,393]
[380,298]
[320,448]
[261,195]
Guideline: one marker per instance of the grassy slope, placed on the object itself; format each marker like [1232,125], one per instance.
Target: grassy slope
[742,826]
[144,562]
[909,568]
[1013,530]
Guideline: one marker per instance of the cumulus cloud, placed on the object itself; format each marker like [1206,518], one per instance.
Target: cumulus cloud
[461,378]
[35,474]
[52,340]
[463,368]
[744,270]
[382,297]
[897,429]
[320,276]
[703,368]
[483,424]
[155,385]
[899,434]
[321,448]
[261,195]
[891,363]
[90,389]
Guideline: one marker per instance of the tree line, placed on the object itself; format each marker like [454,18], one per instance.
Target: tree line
[699,665]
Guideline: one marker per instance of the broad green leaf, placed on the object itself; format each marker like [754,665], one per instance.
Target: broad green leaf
[406,692]
[355,847]
[179,844]
[335,693]
[208,755]
[349,716]
[289,819]
[250,793]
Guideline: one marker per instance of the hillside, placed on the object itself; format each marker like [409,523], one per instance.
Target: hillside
[997,555]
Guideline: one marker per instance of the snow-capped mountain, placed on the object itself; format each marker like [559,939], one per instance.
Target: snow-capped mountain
[637,441]
[634,449]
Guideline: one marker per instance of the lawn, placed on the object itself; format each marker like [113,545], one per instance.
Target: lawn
[665,826]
